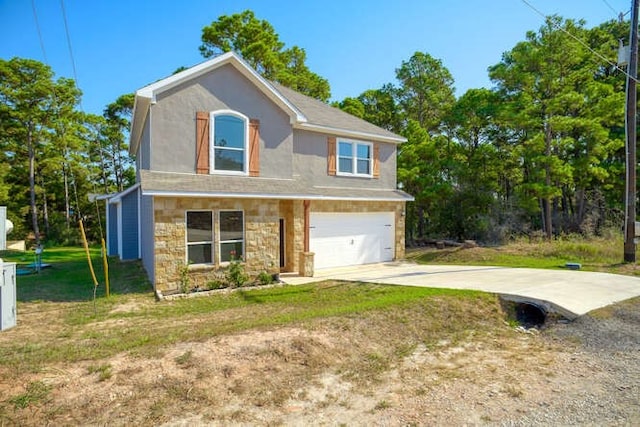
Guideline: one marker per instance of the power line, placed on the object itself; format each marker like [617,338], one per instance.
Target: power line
[55,98]
[610,7]
[66,30]
[35,18]
[75,76]
[583,43]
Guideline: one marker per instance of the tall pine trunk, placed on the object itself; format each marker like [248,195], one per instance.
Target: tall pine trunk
[67,205]
[547,169]
[45,213]
[32,184]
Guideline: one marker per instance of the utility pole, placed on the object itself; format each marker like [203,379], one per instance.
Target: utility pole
[631,106]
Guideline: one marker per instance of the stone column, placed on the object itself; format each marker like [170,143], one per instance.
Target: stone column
[306,264]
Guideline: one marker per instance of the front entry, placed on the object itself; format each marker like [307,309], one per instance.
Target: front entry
[283,251]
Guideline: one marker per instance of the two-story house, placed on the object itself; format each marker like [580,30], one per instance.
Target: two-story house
[233,166]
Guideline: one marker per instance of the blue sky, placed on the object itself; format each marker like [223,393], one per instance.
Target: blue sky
[120,46]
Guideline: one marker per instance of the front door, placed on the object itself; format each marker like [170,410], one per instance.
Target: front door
[283,251]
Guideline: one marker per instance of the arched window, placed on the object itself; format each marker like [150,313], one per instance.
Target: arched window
[229,151]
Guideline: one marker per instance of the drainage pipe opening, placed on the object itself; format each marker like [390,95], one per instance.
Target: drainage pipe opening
[530,315]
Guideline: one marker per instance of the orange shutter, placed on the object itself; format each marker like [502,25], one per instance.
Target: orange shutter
[254,147]
[331,155]
[376,161]
[202,142]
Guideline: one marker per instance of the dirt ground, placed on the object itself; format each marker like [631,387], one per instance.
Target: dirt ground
[340,371]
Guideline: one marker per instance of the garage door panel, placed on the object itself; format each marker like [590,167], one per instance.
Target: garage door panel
[341,239]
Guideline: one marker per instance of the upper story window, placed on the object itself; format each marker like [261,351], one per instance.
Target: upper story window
[229,151]
[355,158]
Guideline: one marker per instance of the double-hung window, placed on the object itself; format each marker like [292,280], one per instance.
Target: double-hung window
[229,149]
[355,158]
[201,241]
[199,237]
[231,235]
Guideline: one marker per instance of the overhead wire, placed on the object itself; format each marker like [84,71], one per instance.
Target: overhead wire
[610,7]
[582,42]
[55,98]
[75,76]
[66,30]
[35,18]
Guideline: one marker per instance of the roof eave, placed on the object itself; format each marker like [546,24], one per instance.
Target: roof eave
[350,133]
[116,198]
[147,95]
[140,109]
[302,196]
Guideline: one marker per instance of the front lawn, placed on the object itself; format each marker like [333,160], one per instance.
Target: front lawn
[595,254]
[68,277]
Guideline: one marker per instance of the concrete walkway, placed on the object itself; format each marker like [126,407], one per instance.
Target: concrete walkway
[569,293]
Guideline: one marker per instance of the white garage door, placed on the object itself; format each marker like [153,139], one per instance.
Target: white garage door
[340,239]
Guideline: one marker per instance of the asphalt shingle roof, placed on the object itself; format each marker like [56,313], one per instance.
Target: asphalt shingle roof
[319,113]
[158,183]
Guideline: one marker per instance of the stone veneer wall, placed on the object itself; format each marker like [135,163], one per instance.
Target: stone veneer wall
[261,219]
[353,206]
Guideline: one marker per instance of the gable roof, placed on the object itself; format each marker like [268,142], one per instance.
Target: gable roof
[325,118]
[304,112]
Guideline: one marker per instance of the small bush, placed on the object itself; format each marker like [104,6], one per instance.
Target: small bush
[236,276]
[216,284]
[184,278]
[264,278]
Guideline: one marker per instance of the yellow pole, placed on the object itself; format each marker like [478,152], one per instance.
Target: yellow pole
[86,248]
[106,267]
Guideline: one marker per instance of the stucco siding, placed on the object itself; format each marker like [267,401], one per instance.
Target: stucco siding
[145,148]
[174,129]
[310,163]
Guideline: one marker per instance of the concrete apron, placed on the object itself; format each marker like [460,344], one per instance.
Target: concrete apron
[568,293]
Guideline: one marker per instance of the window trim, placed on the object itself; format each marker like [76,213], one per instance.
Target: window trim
[212,143]
[220,241]
[354,157]
[186,237]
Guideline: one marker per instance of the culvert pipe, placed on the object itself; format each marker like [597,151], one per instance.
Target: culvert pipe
[529,314]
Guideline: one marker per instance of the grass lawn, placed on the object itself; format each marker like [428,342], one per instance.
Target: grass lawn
[597,254]
[63,293]
[75,360]
[69,278]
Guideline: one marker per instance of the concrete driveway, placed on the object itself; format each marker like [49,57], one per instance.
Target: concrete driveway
[569,293]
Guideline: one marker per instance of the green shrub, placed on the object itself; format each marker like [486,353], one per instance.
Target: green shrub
[236,276]
[184,278]
[217,284]
[264,278]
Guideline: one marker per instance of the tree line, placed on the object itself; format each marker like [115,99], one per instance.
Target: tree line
[542,151]
[54,158]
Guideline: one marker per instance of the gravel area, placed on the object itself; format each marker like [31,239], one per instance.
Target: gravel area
[601,384]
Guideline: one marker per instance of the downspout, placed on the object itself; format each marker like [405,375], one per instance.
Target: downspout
[306,204]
